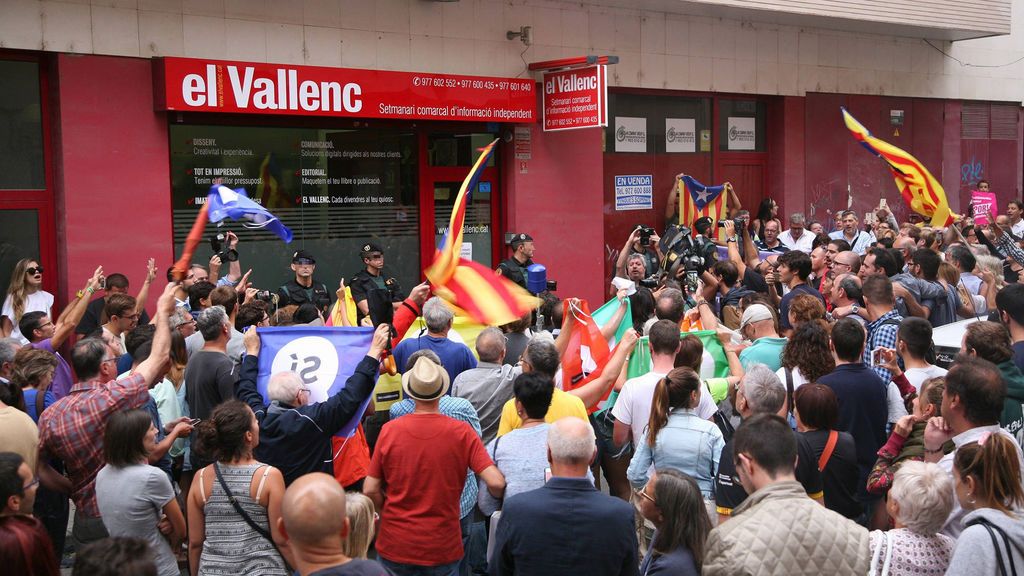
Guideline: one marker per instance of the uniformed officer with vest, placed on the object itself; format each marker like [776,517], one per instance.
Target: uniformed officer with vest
[373,277]
[514,268]
[303,288]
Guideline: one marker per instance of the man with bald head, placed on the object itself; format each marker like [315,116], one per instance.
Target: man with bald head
[489,385]
[567,526]
[314,523]
[846,262]
[295,432]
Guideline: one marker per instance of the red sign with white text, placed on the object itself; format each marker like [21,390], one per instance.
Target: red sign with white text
[186,84]
[576,98]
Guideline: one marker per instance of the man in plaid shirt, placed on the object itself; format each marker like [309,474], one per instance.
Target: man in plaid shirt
[883,320]
[72,428]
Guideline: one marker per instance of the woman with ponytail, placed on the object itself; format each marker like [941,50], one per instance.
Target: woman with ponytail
[676,437]
[24,294]
[234,504]
[988,485]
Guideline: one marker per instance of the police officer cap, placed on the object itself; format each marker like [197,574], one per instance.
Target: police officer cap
[518,239]
[303,255]
[370,248]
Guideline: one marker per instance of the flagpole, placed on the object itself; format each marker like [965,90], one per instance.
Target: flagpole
[180,268]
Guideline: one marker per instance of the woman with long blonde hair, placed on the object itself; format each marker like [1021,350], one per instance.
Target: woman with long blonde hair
[24,294]
[361,520]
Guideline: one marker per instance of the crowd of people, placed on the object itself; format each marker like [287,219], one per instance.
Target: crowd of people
[792,417]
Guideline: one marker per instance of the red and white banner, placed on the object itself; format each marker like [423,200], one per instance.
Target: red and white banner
[186,84]
[576,98]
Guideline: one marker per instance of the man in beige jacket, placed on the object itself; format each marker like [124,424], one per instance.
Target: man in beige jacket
[778,529]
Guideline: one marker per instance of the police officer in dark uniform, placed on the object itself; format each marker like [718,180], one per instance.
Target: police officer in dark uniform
[303,288]
[373,277]
[514,268]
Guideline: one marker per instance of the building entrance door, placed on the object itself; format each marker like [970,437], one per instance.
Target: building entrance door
[449,157]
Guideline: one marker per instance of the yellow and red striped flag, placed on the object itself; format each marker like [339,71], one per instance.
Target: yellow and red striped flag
[484,296]
[920,190]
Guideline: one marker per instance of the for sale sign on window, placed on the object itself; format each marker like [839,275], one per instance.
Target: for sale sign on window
[576,98]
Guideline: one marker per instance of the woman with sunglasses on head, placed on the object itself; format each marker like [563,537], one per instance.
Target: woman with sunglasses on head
[672,501]
[24,294]
[988,485]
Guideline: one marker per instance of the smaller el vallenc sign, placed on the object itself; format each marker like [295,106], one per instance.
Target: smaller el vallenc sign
[576,98]
[187,84]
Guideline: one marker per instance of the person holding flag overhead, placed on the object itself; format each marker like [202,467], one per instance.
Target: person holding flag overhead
[295,435]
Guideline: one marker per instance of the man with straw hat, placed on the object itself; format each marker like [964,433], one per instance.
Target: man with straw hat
[417,474]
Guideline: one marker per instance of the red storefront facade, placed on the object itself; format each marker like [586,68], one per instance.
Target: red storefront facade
[106,193]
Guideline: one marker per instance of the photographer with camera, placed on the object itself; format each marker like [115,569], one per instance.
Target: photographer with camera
[225,249]
[644,242]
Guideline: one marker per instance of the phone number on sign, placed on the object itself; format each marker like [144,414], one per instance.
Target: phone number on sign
[467,83]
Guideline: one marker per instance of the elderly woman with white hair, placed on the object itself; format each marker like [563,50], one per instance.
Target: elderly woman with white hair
[920,501]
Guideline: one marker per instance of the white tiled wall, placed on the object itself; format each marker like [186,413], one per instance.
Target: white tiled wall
[656,50]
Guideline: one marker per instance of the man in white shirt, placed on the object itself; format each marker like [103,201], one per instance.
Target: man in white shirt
[797,237]
[971,405]
[859,240]
[632,408]
[1015,211]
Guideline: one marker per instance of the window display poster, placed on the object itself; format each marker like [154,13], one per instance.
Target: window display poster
[630,134]
[680,135]
[742,133]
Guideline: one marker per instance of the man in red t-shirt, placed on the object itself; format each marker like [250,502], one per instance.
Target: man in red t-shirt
[417,474]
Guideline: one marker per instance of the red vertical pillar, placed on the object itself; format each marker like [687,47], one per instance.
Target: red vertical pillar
[112,170]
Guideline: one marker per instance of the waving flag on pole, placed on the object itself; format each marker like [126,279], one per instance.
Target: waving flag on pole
[920,190]
[224,203]
[485,296]
[322,357]
[697,200]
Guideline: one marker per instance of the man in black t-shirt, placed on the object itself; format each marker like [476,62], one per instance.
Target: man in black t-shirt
[794,268]
[761,392]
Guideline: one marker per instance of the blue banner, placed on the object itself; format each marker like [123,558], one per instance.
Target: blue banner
[323,357]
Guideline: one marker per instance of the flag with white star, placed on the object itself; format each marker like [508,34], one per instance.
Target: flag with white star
[697,200]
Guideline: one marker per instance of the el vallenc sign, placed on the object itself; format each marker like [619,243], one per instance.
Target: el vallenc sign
[187,84]
[576,98]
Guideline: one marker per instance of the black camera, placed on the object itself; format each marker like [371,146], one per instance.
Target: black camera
[649,283]
[684,252]
[551,285]
[645,234]
[738,224]
[267,296]
[219,243]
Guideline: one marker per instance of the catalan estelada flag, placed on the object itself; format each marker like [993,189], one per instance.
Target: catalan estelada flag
[697,200]
[920,190]
[484,296]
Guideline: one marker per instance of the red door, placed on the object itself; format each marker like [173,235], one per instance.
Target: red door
[446,159]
